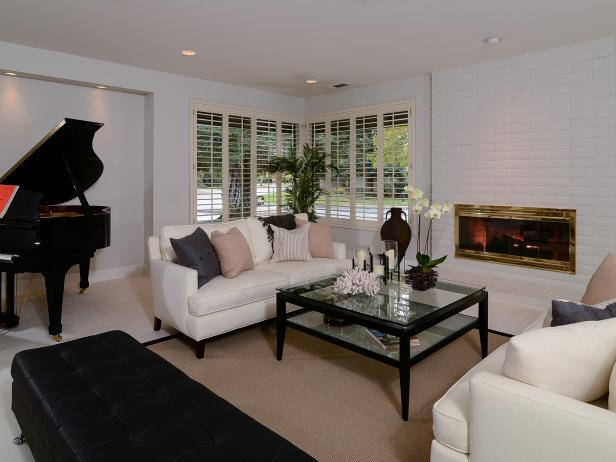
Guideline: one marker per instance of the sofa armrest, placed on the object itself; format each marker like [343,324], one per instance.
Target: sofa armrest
[172,284]
[514,421]
[154,248]
[339,250]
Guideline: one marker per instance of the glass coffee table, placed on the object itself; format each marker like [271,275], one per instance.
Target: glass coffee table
[431,318]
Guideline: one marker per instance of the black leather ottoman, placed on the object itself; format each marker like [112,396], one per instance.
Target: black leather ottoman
[108,398]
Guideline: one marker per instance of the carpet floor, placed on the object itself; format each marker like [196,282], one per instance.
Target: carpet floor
[334,404]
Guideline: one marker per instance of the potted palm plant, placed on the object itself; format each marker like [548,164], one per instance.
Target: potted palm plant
[305,171]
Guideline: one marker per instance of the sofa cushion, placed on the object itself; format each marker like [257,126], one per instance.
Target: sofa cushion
[451,413]
[300,271]
[222,293]
[612,390]
[291,245]
[319,239]
[565,312]
[178,231]
[233,252]
[197,252]
[602,284]
[573,360]
[262,246]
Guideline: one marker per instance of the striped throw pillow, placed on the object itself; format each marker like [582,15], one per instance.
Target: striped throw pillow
[291,245]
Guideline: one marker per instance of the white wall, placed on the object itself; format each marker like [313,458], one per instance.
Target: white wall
[417,89]
[30,108]
[534,130]
[170,113]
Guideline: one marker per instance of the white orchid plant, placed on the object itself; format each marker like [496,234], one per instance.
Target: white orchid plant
[421,206]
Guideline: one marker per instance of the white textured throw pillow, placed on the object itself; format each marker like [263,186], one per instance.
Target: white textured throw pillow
[291,245]
[575,360]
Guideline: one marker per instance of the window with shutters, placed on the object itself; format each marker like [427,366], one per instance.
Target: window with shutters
[209,167]
[240,174]
[366,166]
[396,163]
[340,183]
[267,183]
[231,147]
[372,148]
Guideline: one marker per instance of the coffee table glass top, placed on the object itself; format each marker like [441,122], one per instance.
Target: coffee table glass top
[396,302]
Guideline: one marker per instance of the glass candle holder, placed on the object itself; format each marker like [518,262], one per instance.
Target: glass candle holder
[362,255]
[390,250]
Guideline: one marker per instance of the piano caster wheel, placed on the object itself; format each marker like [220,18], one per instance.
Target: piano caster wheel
[82,291]
[19,440]
[57,337]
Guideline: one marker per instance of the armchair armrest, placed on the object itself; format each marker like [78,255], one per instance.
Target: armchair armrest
[172,284]
[514,421]
[339,250]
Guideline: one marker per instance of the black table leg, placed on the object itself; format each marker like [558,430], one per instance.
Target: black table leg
[405,374]
[281,324]
[483,325]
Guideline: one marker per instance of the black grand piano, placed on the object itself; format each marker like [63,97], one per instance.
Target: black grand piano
[37,236]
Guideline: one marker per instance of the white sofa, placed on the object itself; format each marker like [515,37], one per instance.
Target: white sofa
[486,417]
[222,305]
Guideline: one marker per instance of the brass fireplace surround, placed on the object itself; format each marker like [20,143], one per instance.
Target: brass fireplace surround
[517,213]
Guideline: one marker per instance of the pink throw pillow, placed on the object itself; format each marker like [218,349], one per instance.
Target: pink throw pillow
[233,252]
[320,241]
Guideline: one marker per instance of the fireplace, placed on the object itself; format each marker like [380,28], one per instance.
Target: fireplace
[525,236]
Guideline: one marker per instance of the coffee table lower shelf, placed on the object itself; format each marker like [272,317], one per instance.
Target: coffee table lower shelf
[357,338]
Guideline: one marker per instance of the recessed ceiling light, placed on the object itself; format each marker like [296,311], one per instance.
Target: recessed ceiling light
[492,40]
[311,81]
[189,52]
[102,87]
[10,73]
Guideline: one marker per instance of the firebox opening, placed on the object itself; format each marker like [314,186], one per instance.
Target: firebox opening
[536,237]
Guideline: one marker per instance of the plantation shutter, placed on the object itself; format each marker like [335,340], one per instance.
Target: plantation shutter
[318,133]
[366,191]
[340,192]
[209,159]
[239,177]
[395,159]
[289,144]
[267,187]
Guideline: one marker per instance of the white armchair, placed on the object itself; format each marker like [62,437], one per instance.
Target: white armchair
[513,421]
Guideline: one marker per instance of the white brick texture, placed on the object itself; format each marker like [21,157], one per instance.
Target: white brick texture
[535,130]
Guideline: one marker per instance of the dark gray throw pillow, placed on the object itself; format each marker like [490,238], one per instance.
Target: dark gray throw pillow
[565,312]
[197,252]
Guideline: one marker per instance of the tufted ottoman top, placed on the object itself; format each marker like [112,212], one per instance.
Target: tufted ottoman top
[108,398]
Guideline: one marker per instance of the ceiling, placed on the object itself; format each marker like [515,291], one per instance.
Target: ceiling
[277,45]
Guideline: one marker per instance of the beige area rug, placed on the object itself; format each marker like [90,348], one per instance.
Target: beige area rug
[334,404]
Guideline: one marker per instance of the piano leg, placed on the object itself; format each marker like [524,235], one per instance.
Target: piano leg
[84,273]
[9,318]
[54,285]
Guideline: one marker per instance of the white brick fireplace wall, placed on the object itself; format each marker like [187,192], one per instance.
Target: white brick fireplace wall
[535,130]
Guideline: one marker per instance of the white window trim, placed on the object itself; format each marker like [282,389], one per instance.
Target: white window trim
[304,136]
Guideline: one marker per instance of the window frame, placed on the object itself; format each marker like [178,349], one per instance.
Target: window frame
[253,114]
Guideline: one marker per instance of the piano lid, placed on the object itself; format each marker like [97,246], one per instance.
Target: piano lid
[44,168]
